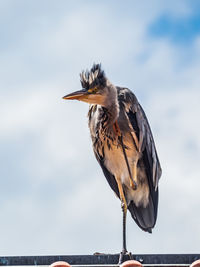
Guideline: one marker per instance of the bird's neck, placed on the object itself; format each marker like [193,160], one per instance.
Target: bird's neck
[112,113]
[112,106]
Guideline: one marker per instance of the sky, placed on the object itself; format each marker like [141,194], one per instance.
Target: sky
[54,198]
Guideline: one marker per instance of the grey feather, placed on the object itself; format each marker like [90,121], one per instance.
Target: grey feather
[130,113]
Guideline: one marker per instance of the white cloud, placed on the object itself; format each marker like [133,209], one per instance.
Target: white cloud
[69,206]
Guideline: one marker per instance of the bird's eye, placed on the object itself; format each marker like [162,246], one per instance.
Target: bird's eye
[93,90]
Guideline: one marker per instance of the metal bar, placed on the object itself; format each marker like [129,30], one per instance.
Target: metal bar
[102,259]
[116,265]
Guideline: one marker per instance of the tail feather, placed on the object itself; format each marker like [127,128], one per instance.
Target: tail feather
[144,217]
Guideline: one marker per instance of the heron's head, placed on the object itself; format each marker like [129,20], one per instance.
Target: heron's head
[95,87]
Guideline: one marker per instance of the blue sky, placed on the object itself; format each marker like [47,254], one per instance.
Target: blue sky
[54,197]
[181,30]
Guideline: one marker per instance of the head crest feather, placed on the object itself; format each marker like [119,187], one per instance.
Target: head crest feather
[94,77]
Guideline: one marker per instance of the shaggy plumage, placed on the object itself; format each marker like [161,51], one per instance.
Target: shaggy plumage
[123,145]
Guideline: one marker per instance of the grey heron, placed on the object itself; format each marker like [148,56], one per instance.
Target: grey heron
[123,145]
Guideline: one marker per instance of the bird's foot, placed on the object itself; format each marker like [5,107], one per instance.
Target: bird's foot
[133,184]
[122,256]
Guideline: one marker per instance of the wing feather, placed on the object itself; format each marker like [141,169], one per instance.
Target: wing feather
[144,217]
[132,112]
[140,125]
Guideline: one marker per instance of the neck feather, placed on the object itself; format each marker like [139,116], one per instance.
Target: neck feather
[111,104]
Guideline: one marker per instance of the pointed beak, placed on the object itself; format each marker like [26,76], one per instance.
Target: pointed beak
[78,95]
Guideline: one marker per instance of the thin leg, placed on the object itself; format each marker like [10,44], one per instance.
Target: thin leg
[124,229]
[124,249]
[124,209]
[133,183]
[134,173]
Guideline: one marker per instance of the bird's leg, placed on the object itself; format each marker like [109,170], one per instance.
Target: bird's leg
[133,182]
[132,185]
[124,249]
[124,210]
[134,175]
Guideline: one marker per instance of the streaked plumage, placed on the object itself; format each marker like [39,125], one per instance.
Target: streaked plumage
[123,145]
[142,203]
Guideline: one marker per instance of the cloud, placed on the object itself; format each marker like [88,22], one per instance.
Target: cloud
[48,168]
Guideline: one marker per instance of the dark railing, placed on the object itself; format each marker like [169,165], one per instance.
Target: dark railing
[102,259]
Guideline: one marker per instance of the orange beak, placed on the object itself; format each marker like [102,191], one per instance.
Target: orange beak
[78,95]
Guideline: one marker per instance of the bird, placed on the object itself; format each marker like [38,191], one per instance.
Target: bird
[123,145]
